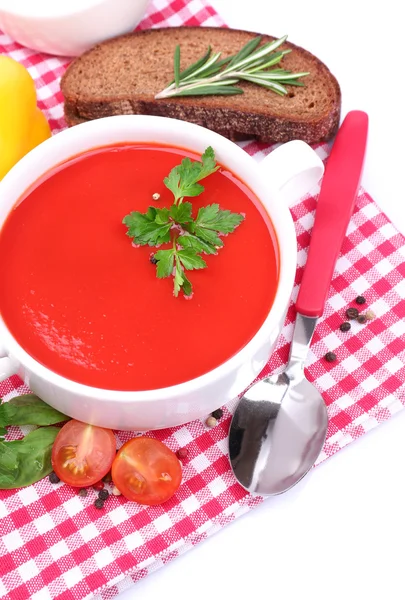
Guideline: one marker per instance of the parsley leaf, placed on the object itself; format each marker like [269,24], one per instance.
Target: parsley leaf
[165,264]
[178,278]
[187,259]
[181,213]
[209,163]
[151,228]
[210,222]
[191,260]
[182,180]
[186,286]
[162,215]
[208,236]
[188,240]
[212,218]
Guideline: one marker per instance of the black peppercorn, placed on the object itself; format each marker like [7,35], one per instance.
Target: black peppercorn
[217,414]
[330,356]
[361,319]
[153,259]
[99,503]
[352,313]
[360,300]
[53,478]
[103,494]
[345,326]
[83,492]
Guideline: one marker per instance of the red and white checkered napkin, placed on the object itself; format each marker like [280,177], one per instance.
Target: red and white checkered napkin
[55,544]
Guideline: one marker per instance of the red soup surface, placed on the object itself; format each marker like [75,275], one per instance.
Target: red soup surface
[85,303]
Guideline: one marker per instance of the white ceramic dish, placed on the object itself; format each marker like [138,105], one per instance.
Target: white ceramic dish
[294,168]
[68,27]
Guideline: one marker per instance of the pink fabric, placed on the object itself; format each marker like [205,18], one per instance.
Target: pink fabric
[55,544]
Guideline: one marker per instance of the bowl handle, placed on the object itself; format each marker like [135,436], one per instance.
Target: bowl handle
[7,365]
[292,170]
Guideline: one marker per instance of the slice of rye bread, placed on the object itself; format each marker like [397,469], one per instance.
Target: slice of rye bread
[123,75]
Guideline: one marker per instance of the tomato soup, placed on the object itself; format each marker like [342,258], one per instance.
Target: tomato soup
[84,302]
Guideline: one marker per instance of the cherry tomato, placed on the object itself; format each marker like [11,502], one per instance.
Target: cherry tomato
[146,471]
[82,454]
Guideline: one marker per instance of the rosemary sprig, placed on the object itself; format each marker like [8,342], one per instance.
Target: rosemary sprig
[210,76]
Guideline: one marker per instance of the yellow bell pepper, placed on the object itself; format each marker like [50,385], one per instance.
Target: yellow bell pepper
[22,125]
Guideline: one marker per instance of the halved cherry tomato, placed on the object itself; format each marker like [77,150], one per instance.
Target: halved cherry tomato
[82,454]
[146,471]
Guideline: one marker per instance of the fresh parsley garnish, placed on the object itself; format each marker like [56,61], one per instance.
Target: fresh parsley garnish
[182,180]
[188,236]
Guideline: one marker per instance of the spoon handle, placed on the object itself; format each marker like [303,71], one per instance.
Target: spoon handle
[336,201]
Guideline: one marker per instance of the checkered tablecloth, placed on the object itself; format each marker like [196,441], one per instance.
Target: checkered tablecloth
[55,544]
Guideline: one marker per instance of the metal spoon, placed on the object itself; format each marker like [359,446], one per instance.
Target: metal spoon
[279,426]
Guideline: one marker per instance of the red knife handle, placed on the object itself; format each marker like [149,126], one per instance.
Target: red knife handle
[336,201]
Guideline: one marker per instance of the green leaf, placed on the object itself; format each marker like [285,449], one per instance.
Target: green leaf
[262,51]
[190,171]
[276,87]
[211,221]
[293,82]
[162,216]
[265,64]
[197,65]
[182,180]
[211,63]
[3,432]
[209,164]
[144,229]
[193,171]
[23,462]
[172,182]
[212,218]
[190,260]
[186,186]
[208,236]
[187,287]
[182,212]
[164,267]
[207,90]
[208,71]
[28,409]
[246,50]
[136,219]
[177,65]
[190,240]
[178,277]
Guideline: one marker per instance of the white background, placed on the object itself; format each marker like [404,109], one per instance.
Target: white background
[339,534]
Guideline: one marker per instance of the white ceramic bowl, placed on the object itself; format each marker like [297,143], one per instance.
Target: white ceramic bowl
[68,27]
[293,167]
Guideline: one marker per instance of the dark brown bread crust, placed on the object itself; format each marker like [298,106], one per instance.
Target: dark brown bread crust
[311,113]
[72,118]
